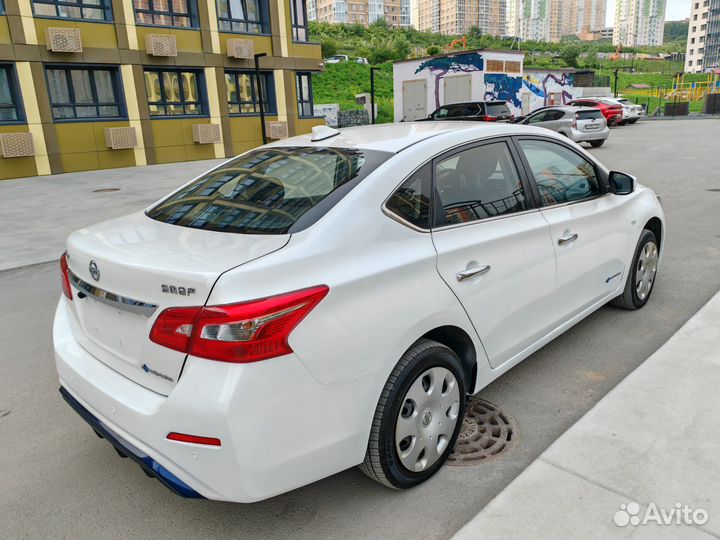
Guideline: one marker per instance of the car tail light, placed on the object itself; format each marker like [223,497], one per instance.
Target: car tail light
[245,332]
[65,277]
[487,118]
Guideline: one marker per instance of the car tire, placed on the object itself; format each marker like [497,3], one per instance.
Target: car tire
[643,271]
[634,120]
[597,144]
[386,461]
[622,122]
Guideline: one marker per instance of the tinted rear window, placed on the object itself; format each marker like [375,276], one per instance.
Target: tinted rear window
[587,115]
[268,191]
[497,109]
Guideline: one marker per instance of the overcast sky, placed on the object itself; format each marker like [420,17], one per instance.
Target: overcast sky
[676,10]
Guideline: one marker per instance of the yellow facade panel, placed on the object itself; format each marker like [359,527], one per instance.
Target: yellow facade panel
[263,44]
[305,125]
[4,31]
[93,35]
[111,159]
[305,50]
[79,161]
[168,133]
[170,154]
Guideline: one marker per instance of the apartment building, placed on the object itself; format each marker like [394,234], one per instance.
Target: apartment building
[587,18]
[533,20]
[697,35]
[639,22]
[550,20]
[457,17]
[95,84]
[711,59]
[396,13]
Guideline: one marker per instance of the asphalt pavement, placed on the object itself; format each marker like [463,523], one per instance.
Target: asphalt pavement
[60,481]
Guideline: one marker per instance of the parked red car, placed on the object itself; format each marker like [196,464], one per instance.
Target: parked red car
[612,112]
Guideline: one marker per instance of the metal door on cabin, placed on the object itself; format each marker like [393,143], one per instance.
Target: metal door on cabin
[414,100]
[525,99]
[457,89]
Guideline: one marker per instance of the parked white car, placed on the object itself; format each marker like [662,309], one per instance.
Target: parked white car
[329,300]
[336,59]
[631,112]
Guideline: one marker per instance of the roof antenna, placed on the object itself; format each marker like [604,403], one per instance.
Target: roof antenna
[320,133]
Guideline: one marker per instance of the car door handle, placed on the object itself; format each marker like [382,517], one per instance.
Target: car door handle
[470,272]
[567,239]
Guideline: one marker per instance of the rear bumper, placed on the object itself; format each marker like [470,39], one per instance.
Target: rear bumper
[280,428]
[585,136]
[151,467]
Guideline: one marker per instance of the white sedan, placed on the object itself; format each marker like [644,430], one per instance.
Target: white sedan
[330,300]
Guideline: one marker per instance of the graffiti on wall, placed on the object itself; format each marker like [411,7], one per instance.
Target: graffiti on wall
[544,89]
[459,63]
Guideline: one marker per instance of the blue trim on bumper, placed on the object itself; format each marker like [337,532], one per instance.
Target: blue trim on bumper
[151,467]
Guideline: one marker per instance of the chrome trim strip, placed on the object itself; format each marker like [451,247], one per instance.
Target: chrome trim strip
[111,299]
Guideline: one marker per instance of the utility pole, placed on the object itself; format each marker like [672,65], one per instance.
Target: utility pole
[258,83]
[616,80]
[372,94]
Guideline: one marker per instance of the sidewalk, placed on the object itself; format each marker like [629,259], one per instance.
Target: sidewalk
[653,440]
[39,213]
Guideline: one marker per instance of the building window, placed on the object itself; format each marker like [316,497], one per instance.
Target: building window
[95,10]
[9,96]
[304,94]
[84,93]
[2,7]
[175,92]
[243,16]
[299,20]
[242,92]
[178,13]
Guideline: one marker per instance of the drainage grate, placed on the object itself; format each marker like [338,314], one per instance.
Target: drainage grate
[106,190]
[486,433]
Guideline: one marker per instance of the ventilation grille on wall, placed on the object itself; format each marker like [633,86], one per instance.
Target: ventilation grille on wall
[63,40]
[241,48]
[120,138]
[16,145]
[277,129]
[206,133]
[161,45]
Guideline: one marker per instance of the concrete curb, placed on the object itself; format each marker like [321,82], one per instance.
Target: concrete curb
[653,440]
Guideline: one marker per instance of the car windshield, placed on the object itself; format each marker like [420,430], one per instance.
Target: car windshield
[269,190]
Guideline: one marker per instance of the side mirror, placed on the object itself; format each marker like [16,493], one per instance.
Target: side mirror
[621,183]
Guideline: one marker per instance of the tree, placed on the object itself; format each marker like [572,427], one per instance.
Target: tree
[569,55]
[401,47]
[328,47]
[433,50]
[441,66]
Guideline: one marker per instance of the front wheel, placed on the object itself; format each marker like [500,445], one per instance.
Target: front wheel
[418,417]
[643,271]
[597,144]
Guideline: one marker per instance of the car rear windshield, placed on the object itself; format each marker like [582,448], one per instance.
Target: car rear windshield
[497,109]
[587,115]
[269,191]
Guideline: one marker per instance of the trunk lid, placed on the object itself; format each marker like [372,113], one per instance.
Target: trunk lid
[588,121]
[125,272]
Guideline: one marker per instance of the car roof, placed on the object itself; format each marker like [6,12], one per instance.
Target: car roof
[472,102]
[566,108]
[396,137]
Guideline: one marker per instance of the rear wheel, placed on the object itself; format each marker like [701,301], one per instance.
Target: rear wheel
[418,417]
[641,280]
[597,144]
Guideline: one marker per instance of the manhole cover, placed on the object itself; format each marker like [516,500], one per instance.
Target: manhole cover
[486,433]
[106,190]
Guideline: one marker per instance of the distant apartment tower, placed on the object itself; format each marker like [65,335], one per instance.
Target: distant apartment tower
[533,20]
[639,22]
[587,18]
[395,12]
[698,35]
[457,17]
[711,58]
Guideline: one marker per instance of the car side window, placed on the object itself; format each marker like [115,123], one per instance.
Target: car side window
[561,175]
[478,183]
[411,201]
[537,118]
[554,115]
[441,113]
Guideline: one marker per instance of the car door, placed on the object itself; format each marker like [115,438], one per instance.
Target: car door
[536,118]
[588,224]
[553,120]
[493,246]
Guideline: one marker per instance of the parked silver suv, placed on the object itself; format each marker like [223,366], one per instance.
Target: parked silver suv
[580,124]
